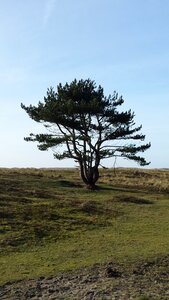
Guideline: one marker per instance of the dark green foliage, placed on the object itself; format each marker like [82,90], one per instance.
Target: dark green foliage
[88,125]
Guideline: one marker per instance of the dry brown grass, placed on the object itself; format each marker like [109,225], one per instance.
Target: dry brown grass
[156,180]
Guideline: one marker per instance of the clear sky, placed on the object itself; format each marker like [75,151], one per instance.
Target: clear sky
[121,44]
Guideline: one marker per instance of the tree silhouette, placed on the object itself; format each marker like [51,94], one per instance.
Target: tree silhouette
[89,126]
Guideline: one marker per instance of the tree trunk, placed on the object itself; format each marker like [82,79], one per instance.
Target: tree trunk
[91,177]
[91,186]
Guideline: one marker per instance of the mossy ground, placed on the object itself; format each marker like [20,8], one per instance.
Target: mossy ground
[50,223]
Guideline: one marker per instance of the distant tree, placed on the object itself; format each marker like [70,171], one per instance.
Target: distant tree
[86,122]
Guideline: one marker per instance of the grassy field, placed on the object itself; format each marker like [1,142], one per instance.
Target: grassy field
[50,223]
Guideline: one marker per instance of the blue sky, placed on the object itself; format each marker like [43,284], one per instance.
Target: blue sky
[121,44]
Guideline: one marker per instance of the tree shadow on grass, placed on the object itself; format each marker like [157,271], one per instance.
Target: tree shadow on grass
[102,186]
[135,200]
[126,189]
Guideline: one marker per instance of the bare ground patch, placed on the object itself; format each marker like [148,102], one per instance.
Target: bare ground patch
[146,280]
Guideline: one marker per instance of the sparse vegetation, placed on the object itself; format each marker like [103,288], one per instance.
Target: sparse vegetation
[50,225]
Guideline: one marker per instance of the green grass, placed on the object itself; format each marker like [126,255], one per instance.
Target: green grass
[50,223]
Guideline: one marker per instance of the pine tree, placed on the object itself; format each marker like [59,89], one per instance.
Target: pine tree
[89,126]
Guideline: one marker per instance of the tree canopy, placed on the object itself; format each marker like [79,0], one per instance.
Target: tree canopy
[89,126]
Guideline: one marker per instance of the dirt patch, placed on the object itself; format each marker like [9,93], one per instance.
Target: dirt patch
[147,280]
